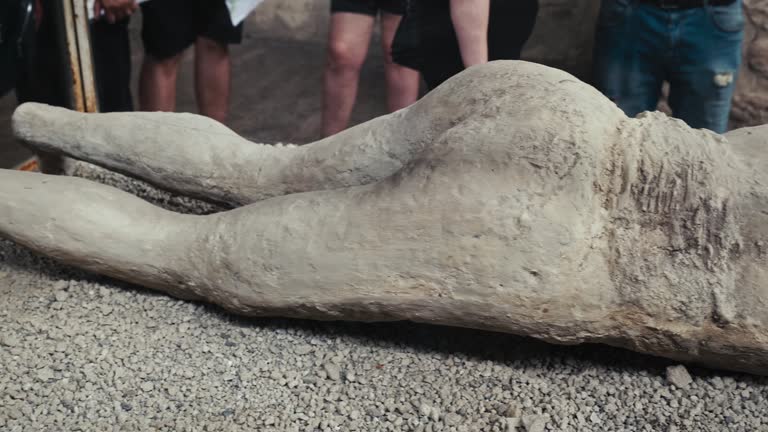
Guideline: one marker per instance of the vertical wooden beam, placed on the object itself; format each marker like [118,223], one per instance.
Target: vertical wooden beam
[83,86]
[84,55]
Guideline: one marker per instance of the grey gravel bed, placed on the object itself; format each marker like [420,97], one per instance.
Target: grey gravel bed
[82,352]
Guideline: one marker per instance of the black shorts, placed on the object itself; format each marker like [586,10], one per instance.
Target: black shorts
[426,40]
[368,7]
[171,26]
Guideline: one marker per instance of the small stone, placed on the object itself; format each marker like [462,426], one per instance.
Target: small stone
[511,424]
[61,296]
[534,423]
[425,410]
[718,383]
[354,415]
[512,411]
[45,374]
[126,406]
[303,349]
[679,376]
[435,414]
[452,419]
[594,418]
[147,386]
[60,285]
[9,340]
[333,371]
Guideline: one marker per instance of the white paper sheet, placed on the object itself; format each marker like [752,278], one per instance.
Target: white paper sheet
[238,9]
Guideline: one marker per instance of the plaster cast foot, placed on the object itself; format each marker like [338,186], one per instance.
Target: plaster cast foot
[96,228]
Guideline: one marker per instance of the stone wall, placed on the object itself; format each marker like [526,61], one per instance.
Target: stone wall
[750,105]
[562,38]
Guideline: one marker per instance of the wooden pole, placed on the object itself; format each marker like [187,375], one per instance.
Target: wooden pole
[83,87]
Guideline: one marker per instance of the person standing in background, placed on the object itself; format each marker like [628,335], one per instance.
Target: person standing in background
[42,76]
[112,53]
[441,38]
[695,45]
[169,28]
[352,24]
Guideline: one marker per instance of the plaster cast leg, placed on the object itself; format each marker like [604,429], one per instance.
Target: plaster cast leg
[304,255]
[97,228]
[199,157]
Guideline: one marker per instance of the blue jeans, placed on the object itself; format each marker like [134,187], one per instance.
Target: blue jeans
[698,51]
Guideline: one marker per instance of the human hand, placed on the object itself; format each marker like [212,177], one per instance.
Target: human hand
[114,10]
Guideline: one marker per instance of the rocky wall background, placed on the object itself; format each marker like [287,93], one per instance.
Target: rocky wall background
[750,106]
[562,38]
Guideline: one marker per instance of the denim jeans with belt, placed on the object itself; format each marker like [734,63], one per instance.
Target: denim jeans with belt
[638,46]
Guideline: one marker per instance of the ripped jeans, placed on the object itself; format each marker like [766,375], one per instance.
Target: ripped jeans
[638,46]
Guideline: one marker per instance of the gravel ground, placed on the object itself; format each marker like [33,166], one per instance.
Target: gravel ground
[82,352]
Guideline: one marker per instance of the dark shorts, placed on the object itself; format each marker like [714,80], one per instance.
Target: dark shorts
[426,40]
[171,26]
[368,7]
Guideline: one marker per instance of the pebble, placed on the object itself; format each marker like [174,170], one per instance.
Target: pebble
[45,374]
[9,340]
[534,423]
[511,424]
[333,371]
[303,349]
[679,376]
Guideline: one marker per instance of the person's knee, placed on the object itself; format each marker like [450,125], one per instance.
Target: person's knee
[211,47]
[343,55]
[167,66]
[387,48]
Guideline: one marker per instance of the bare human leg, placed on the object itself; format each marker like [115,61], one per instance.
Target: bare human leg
[402,82]
[212,78]
[348,41]
[157,83]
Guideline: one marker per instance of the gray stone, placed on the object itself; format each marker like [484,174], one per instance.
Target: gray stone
[303,349]
[333,371]
[511,424]
[45,374]
[679,376]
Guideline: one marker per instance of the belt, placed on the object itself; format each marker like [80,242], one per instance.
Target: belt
[686,4]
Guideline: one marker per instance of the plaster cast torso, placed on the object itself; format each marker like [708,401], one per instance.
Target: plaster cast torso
[511,198]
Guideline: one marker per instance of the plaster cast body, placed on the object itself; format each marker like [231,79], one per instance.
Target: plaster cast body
[512,198]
